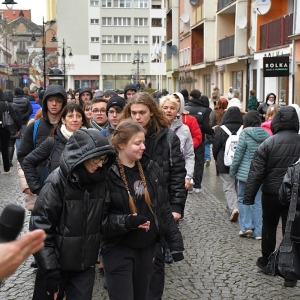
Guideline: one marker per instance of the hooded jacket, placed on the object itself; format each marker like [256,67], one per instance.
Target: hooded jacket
[84,90]
[45,126]
[24,105]
[67,211]
[199,108]
[274,155]
[127,88]
[262,109]
[114,226]
[233,120]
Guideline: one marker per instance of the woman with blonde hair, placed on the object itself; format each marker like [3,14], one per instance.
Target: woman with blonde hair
[271,111]
[138,216]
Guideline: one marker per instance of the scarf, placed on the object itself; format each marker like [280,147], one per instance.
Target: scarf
[97,126]
[270,103]
[65,132]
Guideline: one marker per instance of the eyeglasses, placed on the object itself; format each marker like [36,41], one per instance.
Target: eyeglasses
[97,111]
[97,159]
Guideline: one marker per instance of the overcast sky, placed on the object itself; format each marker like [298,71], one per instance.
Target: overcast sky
[38,9]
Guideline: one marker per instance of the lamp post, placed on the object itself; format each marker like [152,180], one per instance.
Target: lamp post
[63,55]
[9,4]
[53,40]
[138,59]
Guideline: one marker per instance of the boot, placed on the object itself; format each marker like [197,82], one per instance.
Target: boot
[11,151]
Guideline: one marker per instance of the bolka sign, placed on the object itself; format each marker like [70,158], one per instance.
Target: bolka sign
[276,66]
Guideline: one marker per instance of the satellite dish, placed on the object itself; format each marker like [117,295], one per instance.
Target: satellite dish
[241,22]
[174,49]
[185,17]
[251,43]
[263,6]
[194,2]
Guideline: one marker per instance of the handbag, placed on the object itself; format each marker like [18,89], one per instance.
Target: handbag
[46,170]
[7,120]
[285,261]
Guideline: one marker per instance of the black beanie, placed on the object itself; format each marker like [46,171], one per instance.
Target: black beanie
[252,119]
[115,101]
[19,91]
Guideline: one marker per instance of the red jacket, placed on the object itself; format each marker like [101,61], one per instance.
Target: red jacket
[192,123]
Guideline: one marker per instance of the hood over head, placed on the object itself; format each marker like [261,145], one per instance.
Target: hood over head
[83,145]
[267,97]
[19,92]
[53,90]
[85,90]
[127,88]
[232,115]
[8,96]
[252,119]
[182,104]
[286,118]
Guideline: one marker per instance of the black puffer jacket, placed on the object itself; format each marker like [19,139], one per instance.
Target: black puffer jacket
[199,108]
[45,126]
[233,120]
[274,155]
[34,161]
[114,228]
[70,214]
[24,106]
[165,151]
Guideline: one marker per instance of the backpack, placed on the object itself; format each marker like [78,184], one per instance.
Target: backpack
[230,145]
[35,129]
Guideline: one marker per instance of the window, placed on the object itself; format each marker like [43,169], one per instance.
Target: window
[141,3]
[122,21]
[122,3]
[145,57]
[156,22]
[181,25]
[94,39]
[94,21]
[108,57]
[181,64]
[207,84]
[124,57]
[141,39]
[156,4]
[22,45]
[156,39]
[106,3]
[106,21]
[94,57]
[94,3]
[237,82]
[140,21]
[106,39]
[122,39]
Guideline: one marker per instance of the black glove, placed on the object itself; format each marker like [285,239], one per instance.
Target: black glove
[52,283]
[136,221]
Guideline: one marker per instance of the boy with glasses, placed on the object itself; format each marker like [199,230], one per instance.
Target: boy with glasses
[99,117]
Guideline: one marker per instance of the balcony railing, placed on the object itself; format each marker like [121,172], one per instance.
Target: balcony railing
[223,3]
[275,33]
[226,47]
[169,64]
[197,56]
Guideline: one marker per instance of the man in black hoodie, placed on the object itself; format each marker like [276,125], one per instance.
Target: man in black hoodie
[129,91]
[198,106]
[85,94]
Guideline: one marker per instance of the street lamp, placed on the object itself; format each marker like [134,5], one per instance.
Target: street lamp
[9,4]
[53,40]
[63,55]
[137,60]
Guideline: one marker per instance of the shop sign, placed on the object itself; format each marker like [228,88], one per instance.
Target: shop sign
[277,66]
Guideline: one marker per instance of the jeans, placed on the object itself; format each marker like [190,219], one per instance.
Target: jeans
[229,191]
[207,150]
[250,217]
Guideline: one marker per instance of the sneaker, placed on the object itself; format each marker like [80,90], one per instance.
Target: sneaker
[234,215]
[289,283]
[207,163]
[196,190]
[6,173]
[246,232]
[259,238]
[168,257]
[262,263]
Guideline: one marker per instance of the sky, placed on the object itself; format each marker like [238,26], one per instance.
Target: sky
[38,9]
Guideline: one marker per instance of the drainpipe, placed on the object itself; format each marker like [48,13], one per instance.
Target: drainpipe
[248,28]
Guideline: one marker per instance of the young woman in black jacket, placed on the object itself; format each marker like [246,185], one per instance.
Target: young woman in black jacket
[69,208]
[138,217]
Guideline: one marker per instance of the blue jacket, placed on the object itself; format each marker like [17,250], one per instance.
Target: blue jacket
[250,139]
[35,108]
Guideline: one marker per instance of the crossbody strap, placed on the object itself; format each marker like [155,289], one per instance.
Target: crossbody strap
[226,130]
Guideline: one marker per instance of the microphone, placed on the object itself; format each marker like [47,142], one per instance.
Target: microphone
[11,222]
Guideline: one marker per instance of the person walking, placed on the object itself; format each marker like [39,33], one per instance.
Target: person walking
[138,216]
[250,218]
[267,169]
[252,102]
[69,209]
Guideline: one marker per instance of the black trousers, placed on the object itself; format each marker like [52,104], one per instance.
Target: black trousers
[75,285]
[4,141]
[157,283]
[199,165]
[128,272]
[272,210]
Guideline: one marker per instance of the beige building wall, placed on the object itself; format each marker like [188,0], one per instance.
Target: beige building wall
[51,10]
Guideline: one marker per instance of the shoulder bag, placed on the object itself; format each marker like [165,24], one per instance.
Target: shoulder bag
[7,120]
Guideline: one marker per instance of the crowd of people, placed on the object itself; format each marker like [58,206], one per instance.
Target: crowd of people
[106,175]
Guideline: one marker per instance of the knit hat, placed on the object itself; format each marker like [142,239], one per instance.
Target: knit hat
[115,101]
[252,119]
[19,92]
[234,102]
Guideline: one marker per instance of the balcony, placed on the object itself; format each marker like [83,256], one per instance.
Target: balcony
[197,56]
[169,64]
[275,33]
[223,3]
[226,47]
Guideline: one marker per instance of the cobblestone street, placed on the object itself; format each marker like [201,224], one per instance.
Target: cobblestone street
[218,263]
